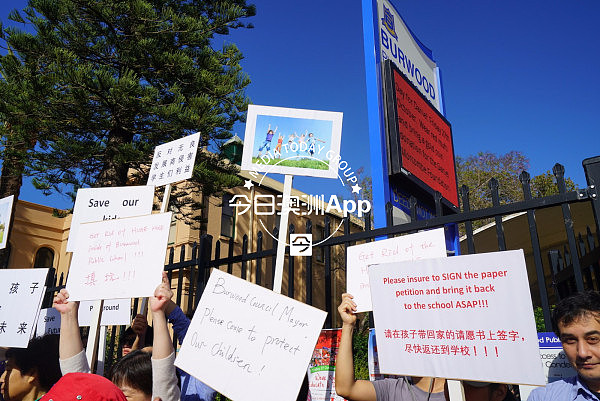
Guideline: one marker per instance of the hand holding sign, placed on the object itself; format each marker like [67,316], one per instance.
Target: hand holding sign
[347,309]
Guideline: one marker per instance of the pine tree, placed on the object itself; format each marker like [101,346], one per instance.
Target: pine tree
[129,75]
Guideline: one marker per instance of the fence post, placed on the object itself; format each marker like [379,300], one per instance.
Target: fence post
[204,254]
[591,166]
[308,275]
[493,185]
[537,253]
[328,319]
[559,173]
[290,291]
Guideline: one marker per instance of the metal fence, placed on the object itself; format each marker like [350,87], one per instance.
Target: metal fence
[573,268]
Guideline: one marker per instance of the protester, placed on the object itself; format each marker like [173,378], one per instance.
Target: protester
[32,371]
[134,367]
[418,389]
[191,388]
[576,321]
[137,336]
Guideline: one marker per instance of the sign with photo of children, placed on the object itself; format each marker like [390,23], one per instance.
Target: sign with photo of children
[292,141]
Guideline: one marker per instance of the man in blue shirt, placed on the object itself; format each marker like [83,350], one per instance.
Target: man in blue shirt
[576,321]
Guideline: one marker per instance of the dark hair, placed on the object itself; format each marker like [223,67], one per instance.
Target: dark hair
[574,307]
[129,336]
[41,356]
[135,370]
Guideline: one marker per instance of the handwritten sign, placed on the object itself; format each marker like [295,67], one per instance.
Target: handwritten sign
[120,258]
[174,161]
[115,312]
[21,293]
[249,339]
[423,245]
[5,213]
[97,204]
[321,371]
[465,317]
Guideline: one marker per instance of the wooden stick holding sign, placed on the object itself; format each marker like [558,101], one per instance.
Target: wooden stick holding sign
[283,231]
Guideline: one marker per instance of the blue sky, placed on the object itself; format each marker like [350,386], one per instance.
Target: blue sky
[517,75]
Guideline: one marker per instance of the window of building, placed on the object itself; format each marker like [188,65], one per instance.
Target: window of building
[44,257]
[227,217]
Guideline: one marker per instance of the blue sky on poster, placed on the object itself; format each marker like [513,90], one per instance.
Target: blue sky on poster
[286,126]
[516,75]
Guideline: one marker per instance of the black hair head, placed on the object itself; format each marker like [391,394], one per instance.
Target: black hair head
[41,356]
[134,370]
[574,307]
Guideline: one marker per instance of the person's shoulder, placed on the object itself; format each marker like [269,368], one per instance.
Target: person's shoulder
[557,390]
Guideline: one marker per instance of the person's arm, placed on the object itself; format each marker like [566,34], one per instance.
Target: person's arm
[70,347]
[179,320]
[164,378]
[345,384]
[139,327]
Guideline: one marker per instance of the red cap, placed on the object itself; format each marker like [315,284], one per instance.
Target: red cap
[84,387]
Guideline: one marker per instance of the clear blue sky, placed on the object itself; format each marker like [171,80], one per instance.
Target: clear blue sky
[517,75]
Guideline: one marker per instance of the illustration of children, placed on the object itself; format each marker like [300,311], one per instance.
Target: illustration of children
[267,143]
[301,140]
[312,143]
[278,147]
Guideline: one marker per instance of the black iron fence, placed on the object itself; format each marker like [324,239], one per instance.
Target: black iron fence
[572,267]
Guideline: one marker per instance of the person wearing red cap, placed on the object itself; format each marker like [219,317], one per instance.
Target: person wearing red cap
[158,370]
[84,387]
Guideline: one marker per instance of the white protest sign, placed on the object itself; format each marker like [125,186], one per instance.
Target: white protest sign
[423,245]
[174,161]
[464,317]
[254,344]
[115,312]
[97,204]
[21,294]
[122,258]
[5,213]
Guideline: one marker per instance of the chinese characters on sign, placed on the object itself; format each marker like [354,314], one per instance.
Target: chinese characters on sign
[466,317]
[120,258]
[174,161]
[21,293]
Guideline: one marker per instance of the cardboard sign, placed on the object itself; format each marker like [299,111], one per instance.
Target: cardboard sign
[5,214]
[174,161]
[465,317]
[121,258]
[21,294]
[98,204]
[292,141]
[254,344]
[115,312]
[321,371]
[423,245]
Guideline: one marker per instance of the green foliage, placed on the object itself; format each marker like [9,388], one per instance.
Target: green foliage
[360,345]
[476,171]
[122,77]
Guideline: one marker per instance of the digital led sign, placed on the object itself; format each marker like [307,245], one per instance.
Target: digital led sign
[419,137]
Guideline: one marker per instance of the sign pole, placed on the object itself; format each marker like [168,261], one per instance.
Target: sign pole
[163,209]
[283,230]
[455,390]
[91,351]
